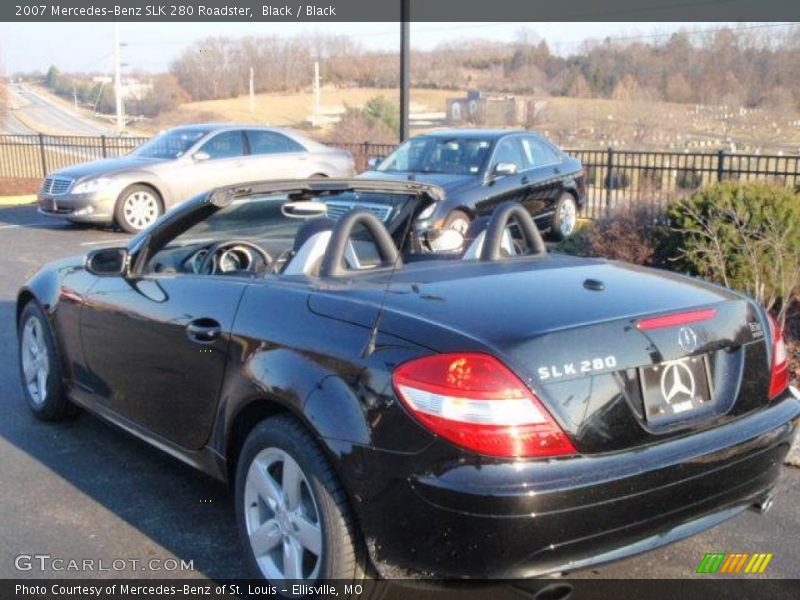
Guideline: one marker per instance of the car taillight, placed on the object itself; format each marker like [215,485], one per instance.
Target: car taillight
[475,401]
[779,376]
[675,319]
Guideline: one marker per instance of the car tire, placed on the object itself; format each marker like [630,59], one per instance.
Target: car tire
[40,367]
[565,217]
[137,207]
[458,220]
[281,520]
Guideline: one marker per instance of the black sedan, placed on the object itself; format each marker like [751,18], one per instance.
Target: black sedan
[382,409]
[481,168]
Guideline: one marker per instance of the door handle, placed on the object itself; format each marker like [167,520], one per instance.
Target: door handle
[203,330]
[525,180]
[556,170]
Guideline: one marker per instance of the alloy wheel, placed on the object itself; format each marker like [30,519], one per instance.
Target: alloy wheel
[460,225]
[567,216]
[140,209]
[282,518]
[35,360]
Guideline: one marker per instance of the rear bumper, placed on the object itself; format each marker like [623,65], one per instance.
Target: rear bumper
[485,519]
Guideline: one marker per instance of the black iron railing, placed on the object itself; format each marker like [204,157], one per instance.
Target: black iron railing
[614,178]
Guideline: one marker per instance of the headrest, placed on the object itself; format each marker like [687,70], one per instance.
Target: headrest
[311,228]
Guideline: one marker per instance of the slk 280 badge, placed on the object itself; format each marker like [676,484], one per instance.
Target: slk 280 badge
[574,369]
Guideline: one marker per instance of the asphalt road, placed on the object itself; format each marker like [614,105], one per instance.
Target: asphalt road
[48,114]
[86,490]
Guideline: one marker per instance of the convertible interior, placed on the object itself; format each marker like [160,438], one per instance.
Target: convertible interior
[334,236]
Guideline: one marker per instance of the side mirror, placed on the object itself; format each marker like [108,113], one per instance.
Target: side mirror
[502,169]
[200,156]
[373,162]
[310,209]
[107,262]
[444,240]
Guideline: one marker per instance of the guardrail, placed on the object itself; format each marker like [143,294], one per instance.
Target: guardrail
[614,178]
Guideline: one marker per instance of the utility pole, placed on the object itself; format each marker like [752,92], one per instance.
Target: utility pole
[118,81]
[315,118]
[405,56]
[252,93]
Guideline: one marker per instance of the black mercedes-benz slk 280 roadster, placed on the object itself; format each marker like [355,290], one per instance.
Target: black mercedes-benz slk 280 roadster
[400,403]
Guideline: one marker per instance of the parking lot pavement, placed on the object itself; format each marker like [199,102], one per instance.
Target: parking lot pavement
[85,490]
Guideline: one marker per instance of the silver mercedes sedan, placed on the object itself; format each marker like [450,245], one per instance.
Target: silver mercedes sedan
[134,190]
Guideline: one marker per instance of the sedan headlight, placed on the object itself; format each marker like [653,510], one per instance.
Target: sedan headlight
[426,214]
[91,185]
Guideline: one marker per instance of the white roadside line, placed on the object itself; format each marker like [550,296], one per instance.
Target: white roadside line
[98,242]
[20,225]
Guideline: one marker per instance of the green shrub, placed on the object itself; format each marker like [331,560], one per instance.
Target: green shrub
[384,110]
[742,235]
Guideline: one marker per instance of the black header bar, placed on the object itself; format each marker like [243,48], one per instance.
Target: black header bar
[389,10]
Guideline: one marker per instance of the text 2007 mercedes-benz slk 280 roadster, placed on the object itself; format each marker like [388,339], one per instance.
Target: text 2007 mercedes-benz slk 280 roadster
[394,402]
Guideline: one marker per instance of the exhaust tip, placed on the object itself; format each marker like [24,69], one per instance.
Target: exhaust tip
[764,504]
[555,591]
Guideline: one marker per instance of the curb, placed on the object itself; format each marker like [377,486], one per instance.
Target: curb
[17,200]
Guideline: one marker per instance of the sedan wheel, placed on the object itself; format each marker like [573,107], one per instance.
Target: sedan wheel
[39,366]
[565,218]
[35,361]
[138,207]
[459,221]
[282,518]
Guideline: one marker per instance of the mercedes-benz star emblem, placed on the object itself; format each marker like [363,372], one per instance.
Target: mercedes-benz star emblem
[687,339]
[677,379]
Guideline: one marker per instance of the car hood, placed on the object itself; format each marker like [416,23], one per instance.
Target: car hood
[107,166]
[448,182]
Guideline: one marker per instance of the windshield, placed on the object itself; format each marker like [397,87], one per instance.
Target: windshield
[170,144]
[435,154]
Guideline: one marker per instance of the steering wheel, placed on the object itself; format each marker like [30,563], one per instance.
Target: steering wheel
[211,260]
[503,216]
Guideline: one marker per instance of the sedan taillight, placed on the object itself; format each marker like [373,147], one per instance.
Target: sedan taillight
[779,375]
[476,402]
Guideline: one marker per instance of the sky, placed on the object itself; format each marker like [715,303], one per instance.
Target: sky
[152,46]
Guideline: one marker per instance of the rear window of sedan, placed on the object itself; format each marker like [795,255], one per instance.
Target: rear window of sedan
[270,142]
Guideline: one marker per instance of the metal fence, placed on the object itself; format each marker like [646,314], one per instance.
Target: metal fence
[34,156]
[614,178]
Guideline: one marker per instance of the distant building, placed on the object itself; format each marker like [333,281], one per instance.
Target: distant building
[131,87]
[479,108]
[134,88]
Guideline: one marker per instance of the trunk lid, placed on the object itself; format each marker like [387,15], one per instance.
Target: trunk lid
[578,346]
